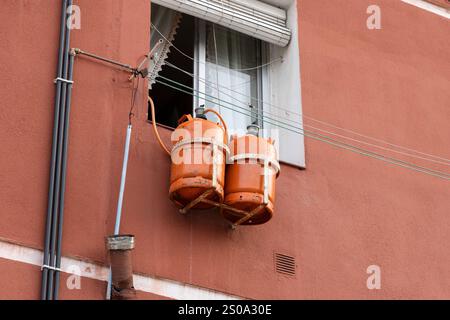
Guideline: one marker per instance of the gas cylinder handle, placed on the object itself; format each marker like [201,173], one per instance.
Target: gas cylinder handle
[221,120]
[184,118]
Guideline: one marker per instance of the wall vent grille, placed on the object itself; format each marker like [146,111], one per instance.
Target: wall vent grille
[285,264]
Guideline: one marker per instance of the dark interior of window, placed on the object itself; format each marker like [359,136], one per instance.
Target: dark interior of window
[171,104]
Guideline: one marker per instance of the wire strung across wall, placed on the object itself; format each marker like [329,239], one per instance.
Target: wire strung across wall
[212,99]
[446,161]
[202,62]
[211,85]
[441,160]
[133,98]
[377,146]
[263,117]
[287,111]
[208,84]
[310,134]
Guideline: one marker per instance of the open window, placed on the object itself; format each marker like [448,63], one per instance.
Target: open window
[245,67]
[178,30]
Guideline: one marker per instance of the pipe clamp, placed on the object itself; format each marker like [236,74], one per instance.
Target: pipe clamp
[120,242]
[62,80]
[50,268]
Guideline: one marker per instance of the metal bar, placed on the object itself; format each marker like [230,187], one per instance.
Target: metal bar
[224,206]
[94,56]
[250,215]
[54,152]
[265,195]
[122,180]
[194,202]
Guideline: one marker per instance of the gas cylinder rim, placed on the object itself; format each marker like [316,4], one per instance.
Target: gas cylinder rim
[183,124]
[272,162]
[184,142]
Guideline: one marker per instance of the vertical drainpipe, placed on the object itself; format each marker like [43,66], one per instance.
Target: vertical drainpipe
[120,248]
[120,200]
[56,222]
[63,178]
[62,53]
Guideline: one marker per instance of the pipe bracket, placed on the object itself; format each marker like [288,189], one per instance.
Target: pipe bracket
[50,268]
[62,80]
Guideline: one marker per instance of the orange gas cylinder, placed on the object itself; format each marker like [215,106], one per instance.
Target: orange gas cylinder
[250,179]
[198,162]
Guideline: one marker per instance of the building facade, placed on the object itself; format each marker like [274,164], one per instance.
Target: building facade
[342,219]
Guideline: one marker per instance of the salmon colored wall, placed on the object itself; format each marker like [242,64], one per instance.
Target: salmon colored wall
[337,217]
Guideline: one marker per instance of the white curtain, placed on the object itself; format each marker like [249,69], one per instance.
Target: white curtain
[165,24]
[232,88]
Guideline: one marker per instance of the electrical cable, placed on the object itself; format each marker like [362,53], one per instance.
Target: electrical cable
[291,112]
[252,78]
[193,59]
[289,127]
[376,139]
[447,161]
[340,144]
[328,140]
[267,119]
[207,84]
[260,117]
[133,98]
[376,146]
[212,97]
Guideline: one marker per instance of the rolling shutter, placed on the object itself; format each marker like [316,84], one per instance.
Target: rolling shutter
[251,17]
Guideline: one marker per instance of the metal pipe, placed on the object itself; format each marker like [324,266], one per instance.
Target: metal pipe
[122,180]
[123,65]
[63,177]
[120,200]
[61,144]
[120,248]
[46,261]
